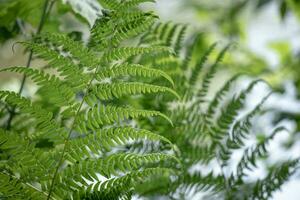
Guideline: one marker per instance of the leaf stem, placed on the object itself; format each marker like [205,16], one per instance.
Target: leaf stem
[27,184]
[227,185]
[45,13]
[60,162]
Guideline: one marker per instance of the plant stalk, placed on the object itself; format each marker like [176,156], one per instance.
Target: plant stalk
[61,159]
[45,13]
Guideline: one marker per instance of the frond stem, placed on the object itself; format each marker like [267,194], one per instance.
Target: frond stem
[46,10]
[60,162]
[227,186]
[29,185]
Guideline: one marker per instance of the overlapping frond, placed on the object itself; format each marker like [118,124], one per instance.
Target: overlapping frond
[100,115]
[59,93]
[77,125]
[277,176]
[127,69]
[209,132]
[105,140]
[45,124]
[116,90]
[126,52]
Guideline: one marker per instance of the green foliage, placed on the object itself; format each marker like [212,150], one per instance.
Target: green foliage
[80,149]
[98,127]
[209,129]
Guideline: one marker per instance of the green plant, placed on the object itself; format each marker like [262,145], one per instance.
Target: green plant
[209,129]
[71,139]
[78,138]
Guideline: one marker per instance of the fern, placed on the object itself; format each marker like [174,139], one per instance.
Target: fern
[105,124]
[208,131]
[126,69]
[78,122]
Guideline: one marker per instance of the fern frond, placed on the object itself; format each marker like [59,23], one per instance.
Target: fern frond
[240,129]
[220,95]
[228,115]
[277,176]
[116,165]
[100,115]
[211,72]
[109,4]
[47,127]
[179,39]
[13,188]
[117,90]
[251,154]
[126,52]
[76,50]
[65,65]
[128,179]
[126,69]
[65,134]
[199,65]
[132,28]
[189,52]
[132,3]
[59,93]
[198,182]
[104,140]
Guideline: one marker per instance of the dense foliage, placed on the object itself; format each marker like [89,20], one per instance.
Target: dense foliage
[128,113]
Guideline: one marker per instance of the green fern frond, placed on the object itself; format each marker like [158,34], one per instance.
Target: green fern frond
[129,178]
[199,65]
[198,182]
[76,50]
[117,90]
[132,29]
[230,112]
[47,127]
[104,140]
[264,189]
[127,69]
[13,188]
[116,165]
[126,52]
[66,66]
[220,95]
[133,3]
[59,93]
[211,72]
[240,129]
[251,154]
[189,52]
[100,115]
[109,4]
[179,39]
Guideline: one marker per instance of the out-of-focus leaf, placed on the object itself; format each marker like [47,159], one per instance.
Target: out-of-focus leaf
[295,6]
[88,9]
[283,9]
[13,12]
[282,48]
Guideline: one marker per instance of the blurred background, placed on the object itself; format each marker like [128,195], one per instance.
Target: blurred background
[266,37]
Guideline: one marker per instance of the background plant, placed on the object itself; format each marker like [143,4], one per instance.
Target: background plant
[70,140]
[87,86]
